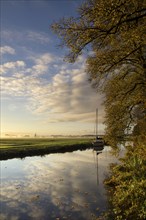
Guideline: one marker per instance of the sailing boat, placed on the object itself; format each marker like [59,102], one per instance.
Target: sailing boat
[98,143]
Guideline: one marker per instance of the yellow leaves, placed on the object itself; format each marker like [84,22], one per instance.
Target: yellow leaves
[102,21]
[114,30]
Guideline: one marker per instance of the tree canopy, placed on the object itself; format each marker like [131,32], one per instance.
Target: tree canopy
[114,34]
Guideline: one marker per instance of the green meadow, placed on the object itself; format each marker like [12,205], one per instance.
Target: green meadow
[11,148]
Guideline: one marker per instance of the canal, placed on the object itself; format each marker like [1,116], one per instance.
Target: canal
[55,187]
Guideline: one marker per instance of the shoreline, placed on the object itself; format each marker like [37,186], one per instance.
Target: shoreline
[22,148]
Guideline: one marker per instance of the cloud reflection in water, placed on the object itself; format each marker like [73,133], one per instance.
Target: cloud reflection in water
[56,186]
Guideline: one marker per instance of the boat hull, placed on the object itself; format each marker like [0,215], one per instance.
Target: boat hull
[98,144]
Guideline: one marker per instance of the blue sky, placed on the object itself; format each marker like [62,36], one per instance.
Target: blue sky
[40,93]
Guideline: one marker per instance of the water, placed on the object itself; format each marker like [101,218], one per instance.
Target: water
[55,187]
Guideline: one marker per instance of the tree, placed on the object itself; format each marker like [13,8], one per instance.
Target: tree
[113,33]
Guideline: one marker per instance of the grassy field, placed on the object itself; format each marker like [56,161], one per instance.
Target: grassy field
[11,148]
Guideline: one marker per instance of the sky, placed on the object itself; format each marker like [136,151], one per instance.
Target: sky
[41,93]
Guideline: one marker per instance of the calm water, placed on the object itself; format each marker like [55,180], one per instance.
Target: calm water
[57,186]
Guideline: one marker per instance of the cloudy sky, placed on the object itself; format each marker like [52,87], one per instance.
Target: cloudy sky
[40,93]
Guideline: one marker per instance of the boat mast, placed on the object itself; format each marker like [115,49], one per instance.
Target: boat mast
[96,122]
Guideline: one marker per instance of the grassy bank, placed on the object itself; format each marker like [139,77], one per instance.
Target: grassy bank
[127,185]
[12,148]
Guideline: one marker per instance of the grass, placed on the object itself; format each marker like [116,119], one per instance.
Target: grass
[127,185]
[10,148]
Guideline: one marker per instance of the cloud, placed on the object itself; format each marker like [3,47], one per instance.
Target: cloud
[12,66]
[42,62]
[32,36]
[68,97]
[64,95]
[35,36]
[7,49]
[44,59]
[40,69]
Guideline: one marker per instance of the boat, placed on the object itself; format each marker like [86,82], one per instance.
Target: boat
[98,143]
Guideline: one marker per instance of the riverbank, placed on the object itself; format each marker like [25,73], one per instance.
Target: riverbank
[20,148]
[127,185]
